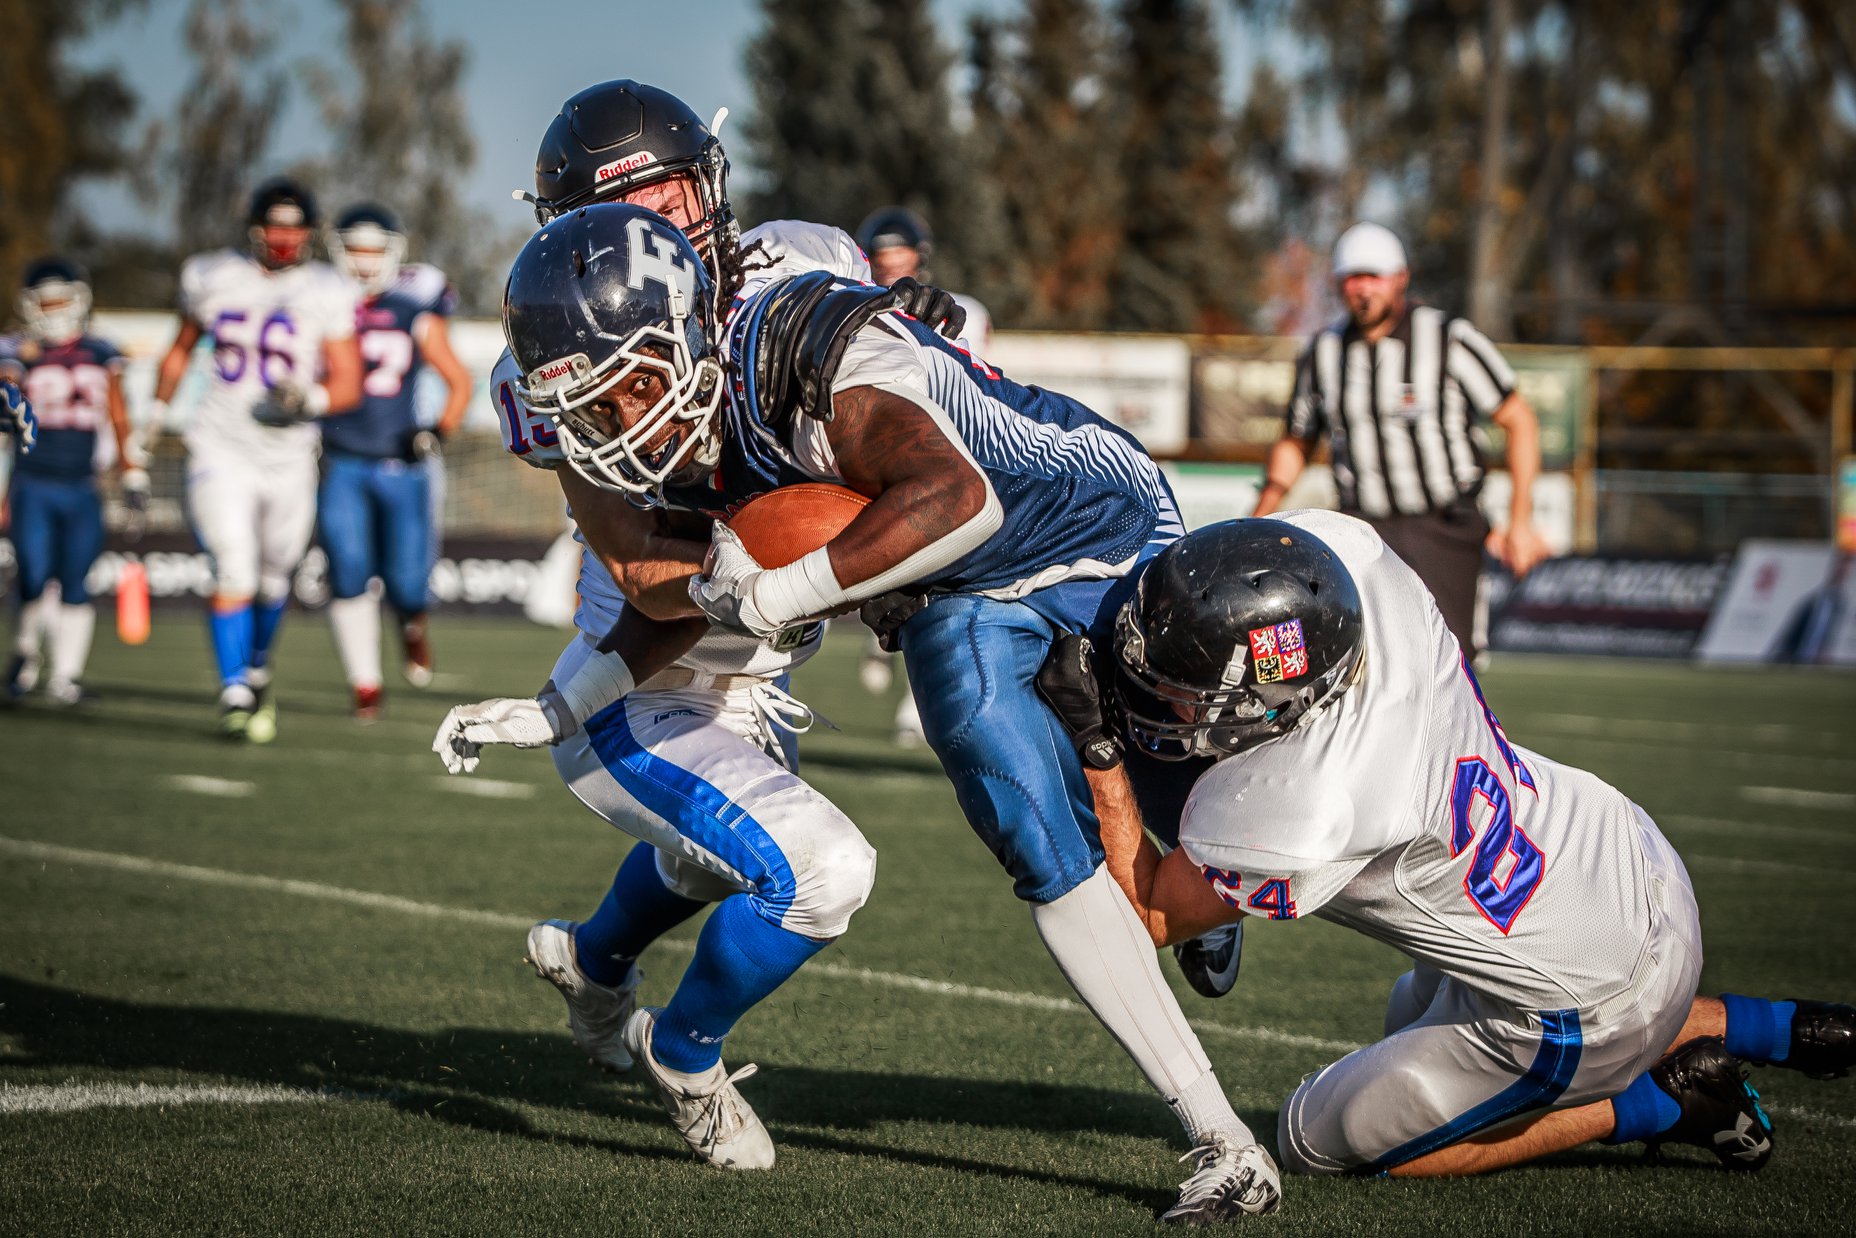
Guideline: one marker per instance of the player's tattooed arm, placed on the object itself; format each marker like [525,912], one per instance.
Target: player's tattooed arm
[1168,893]
[649,561]
[926,494]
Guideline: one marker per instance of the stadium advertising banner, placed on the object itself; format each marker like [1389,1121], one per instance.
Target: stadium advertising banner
[476,574]
[1141,383]
[1785,602]
[1596,604]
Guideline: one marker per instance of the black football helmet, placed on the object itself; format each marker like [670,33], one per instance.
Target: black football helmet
[891,227]
[1235,634]
[368,244]
[596,295]
[54,300]
[618,136]
[283,203]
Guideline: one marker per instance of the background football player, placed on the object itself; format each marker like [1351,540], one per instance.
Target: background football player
[1361,777]
[710,740]
[824,383]
[376,503]
[284,354]
[74,382]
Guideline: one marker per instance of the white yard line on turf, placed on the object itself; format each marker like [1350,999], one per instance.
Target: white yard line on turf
[206,784]
[73,1096]
[486,788]
[1670,730]
[1799,797]
[388,902]
[1722,825]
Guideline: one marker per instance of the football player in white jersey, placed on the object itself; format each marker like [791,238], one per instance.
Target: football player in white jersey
[284,355]
[697,762]
[1361,777]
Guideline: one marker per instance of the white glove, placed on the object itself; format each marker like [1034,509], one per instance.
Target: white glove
[520,722]
[725,590]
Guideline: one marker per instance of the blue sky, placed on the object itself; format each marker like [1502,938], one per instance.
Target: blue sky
[525,59]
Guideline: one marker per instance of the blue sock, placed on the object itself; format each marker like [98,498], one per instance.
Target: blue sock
[1758,1030]
[740,958]
[1642,1110]
[231,632]
[636,912]
[266,616]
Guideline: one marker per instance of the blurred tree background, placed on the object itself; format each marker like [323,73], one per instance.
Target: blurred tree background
[1679,171]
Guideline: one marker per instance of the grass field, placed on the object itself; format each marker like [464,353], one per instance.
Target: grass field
[280,990]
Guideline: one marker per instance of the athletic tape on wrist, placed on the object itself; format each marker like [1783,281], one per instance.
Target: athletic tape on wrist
[601,680]
[804,589]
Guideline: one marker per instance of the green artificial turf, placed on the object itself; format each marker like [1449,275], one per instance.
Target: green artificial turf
[927,1074]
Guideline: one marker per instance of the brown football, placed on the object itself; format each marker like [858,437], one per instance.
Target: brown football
[788,524]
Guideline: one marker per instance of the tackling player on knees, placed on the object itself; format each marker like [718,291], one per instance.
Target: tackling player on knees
[1361,777]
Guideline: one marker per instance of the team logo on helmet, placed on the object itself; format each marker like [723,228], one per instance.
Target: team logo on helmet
[619,167]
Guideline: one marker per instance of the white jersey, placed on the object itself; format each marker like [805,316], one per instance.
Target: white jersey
[1403,811]
[265,326]
[778,249]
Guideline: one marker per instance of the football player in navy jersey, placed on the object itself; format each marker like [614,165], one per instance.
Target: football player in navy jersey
[1008,514]
[74,383]
[375,509]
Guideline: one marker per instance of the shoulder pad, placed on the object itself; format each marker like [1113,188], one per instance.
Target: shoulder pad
[793,339]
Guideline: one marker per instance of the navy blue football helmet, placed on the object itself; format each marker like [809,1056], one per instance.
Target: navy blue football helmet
[595,296]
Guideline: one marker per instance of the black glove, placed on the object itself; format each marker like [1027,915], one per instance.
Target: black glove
[885,614]
[931,306]
[1067,682]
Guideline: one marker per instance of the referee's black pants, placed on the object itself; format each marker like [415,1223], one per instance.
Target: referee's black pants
[1445,549]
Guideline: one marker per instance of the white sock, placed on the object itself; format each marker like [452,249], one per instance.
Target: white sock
[70,643]
[34,623]
[1108,958]
[356,624]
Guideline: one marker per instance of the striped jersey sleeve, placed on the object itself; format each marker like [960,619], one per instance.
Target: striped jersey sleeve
[1307,415]
[1478,368]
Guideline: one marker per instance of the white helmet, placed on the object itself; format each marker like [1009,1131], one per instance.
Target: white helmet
[55,300]
[1368,249]
[368,246]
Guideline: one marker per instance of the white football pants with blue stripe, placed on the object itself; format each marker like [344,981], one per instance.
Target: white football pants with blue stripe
[691,771]
[1456,1061]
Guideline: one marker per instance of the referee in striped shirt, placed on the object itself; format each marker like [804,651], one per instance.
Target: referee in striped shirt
[1397,385]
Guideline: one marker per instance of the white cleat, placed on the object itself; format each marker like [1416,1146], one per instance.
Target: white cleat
[595,1014]
[715,1120]
[1232,1180]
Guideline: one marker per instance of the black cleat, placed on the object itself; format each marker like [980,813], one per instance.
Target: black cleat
[1823,1042]
[1720,1110]
[1210,962]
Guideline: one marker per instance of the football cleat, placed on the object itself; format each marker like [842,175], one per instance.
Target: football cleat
[1720,1110]
[1823,1044]
[1209,962]
[715,1120]
[418,664]
[1231,1180]
[66,693]
[367,703]
[262,728]
[22,674]
[236,704]
[596,1014]
[874,672]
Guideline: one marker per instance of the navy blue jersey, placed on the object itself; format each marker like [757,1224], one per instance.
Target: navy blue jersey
[383,424]
[69,386]
[1081,498]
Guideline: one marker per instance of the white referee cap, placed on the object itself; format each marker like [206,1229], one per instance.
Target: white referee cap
[1368,249]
